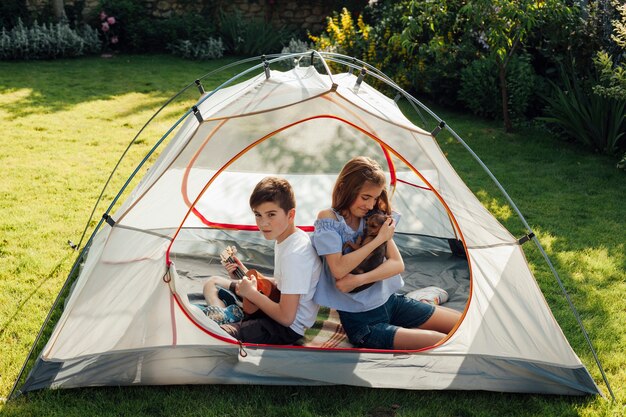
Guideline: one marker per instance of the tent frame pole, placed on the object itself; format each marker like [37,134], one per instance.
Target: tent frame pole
[351,63]
[513,205]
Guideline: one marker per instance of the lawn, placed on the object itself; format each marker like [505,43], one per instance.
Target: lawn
[65,124]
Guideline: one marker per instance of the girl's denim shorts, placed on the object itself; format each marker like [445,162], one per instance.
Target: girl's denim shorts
[377,328]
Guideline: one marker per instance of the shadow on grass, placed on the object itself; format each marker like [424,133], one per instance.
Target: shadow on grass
[58,85]
[269,401]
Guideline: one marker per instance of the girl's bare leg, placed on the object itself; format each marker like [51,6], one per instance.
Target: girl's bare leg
[443,320]
[409,339]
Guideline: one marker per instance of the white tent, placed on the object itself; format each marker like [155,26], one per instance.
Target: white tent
[130,320]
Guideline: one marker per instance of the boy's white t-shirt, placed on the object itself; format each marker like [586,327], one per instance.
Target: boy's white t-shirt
[297,269]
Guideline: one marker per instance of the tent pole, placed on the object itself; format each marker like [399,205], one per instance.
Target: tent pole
[333,57]
[77,262]
[106,184]
[170,100]
[544,254]
[515,208]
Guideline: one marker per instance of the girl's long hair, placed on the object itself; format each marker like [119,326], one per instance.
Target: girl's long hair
[352,177]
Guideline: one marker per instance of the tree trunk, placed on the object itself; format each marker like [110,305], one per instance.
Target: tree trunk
[59,10]
[508,126]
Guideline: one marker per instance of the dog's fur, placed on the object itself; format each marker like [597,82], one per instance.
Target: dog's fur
[373,224]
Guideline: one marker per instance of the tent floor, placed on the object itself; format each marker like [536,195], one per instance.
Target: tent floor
[423,268]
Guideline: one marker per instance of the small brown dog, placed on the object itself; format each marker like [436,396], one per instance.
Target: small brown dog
[373,224]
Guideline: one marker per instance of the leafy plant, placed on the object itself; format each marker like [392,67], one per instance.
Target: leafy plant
[480,92]
[502,27]
[613,69]
[296,45]
[249,37]
[343,35]
[46,41]
[203,50]
[139,31]
[612,76]
[593,120]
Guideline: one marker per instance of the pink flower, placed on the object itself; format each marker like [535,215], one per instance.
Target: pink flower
[105,27]
[103,15]
[111,20]
[114,40]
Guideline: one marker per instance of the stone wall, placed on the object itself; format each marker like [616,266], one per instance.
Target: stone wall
[306,15]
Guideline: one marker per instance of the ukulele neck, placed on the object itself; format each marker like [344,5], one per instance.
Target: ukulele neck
[239,273]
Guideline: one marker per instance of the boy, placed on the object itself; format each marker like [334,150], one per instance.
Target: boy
[297,270]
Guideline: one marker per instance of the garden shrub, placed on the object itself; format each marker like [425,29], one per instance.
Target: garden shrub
[203,50]
[612,68]
[368,43]
[295,46]
[593,120]
[480,87]
[612,83]
[46,41]
[141,32]
[250,37]
[421,61]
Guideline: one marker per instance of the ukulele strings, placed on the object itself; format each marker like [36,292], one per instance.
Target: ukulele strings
[238,272]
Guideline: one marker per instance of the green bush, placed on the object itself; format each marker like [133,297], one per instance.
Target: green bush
[480,89]
[588,118]
[46,41]
[612,83]
[203,50]
[250,37]
[295,46]
[141,32]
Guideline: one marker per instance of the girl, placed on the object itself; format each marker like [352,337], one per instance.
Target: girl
[375,317]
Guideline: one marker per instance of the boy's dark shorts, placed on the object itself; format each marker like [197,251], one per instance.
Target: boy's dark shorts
[262,330]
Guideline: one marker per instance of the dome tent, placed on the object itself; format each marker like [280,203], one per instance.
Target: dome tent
[129,318]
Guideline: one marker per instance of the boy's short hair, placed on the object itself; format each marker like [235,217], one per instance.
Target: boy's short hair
[275,190]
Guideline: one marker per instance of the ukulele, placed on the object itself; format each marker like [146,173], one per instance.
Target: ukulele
[264,285]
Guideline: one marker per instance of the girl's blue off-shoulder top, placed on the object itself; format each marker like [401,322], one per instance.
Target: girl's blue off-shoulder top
[329,237]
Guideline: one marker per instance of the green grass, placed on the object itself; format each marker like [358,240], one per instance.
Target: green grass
[64,125]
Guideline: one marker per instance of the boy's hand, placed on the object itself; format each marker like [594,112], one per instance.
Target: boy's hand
[231,267]
[247,286]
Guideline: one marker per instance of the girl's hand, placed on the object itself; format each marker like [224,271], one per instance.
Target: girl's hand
[386,230]
[348,283]
[247,286]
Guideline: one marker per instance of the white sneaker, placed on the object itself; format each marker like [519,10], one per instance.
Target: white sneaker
[430,295]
